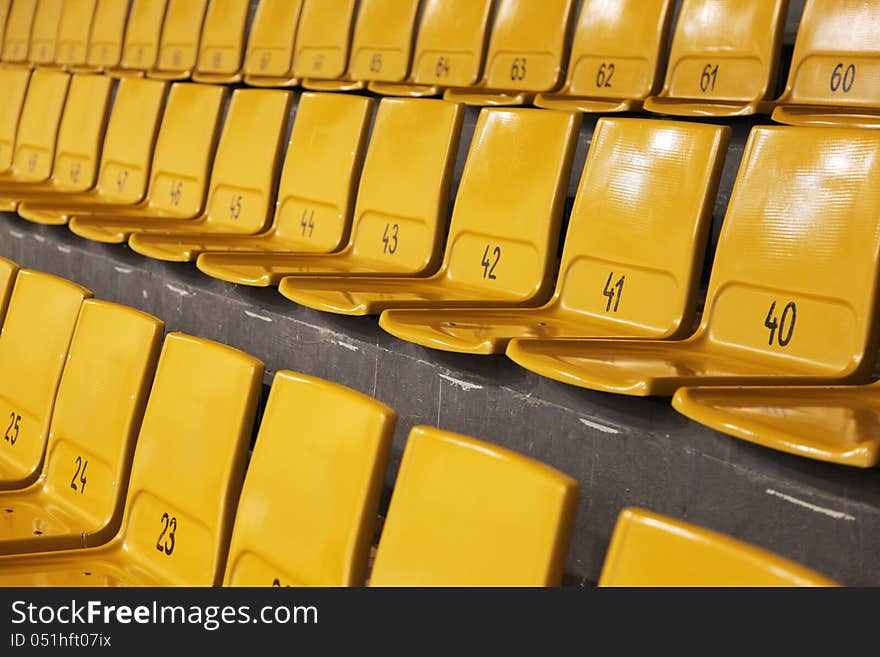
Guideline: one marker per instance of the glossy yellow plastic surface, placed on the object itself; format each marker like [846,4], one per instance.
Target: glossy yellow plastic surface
[221,49]
[633,252]
[44,32]
[400,213]
[17,38]
[468,513]
[179,44]
[74,31]
[504,229]
[527,50]
[143,30]
[243,178]
[724,59]
[835,66]
[617,57]
[107,35]
[383,40]
[308,508]
[13,89]
[78,499]
[185,479]
[791,297]
[179,171]
[648,549]
[268,61]
[36,335]
[323,40]
[8,272]
[125,158]
[4,14]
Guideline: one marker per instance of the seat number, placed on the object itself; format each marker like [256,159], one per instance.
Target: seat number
[842,79]
[707,79]
[518,69]
[441,70]
[176,192]
[121,178]
[165,542]
[376,63]
[307,222]
[235,206]
[489,265]
[613,292]
[11,434]
[389,239]
[75,170]
[604,75]
[781,327]
[80,475]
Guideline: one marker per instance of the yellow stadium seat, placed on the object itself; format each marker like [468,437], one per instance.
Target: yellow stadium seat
[243,178]
[448,51]
[186,475]
[504,230]
[221,49]
[835,67]
[8,272]
[73,33]
[4,14]
[268,61]
[381,48]
[308,508]
[527,49]
[467,513]
[648,549]
[13,89]
[121,175]
[617,57]
[323,43]
[399,216]
[178,175]
[179,43]
[637,233]
[724,59]
[77,500]
[316,191]
[107,35]
[36,335]
[17,39]
[44,32]
[791,295]
[143,30]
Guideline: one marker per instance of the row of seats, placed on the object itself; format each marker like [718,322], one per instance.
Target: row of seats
[125,462]
[724,57]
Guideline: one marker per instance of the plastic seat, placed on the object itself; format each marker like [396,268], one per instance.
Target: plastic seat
[17,38]
[178,174]
[44,32]
[186,476]
[8,272]
[143,30]
[4,14]
[73,34]
[468,513]
[503,237]
[315,193]
[323,42]
[36,334]
[221,49]
[399,216]
[121,175]
[791,295]
[448,50]
[724,59]
[77,500]
[384,34]
[833,75]
[268,61]
[179,43]
[13,88]
[107,35]
[308,508]
[633,253]
[617,57]
[648,549]
[242,181]
[527,48]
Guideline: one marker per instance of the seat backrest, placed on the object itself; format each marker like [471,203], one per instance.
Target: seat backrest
[39,124]
[272,37]
[36,335]
[14,85]
[248,160]
[17,39]
[317,472]
[142,33]
[726,50]
[8,272]
[185,148]
[648,549]
[181,31]
[795,274]
[73,32]
[636,238]
[323,38]
[451,41]
[836,54]
[4,14]
[98,409]
[189,460]
[322,165]
[403,196]
[619,48]
[221,48]
[508,210]
[44,32]
[383,40]
[468,513]
[108,34]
